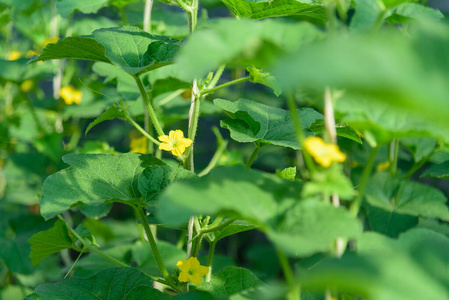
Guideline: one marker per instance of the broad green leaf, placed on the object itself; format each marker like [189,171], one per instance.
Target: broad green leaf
[111,113]
[406,197]
[94,179]
[147,263]
[135,50]
[287,173]
[155,179]
[46,243]
[229,281]
[343,130]
[75,47]
[114,283]
[438,171]
[129,48]
[332,181]
[366,15]
[66,7]
[254,122]
[195,295]
[233,228]
[389,223]
[235,191]
[257,76]
[279,8]
[414,11]
[242,43]
[311,226]
[420,147]
[387,69]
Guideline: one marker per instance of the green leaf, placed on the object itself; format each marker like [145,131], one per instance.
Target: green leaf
[407,12]
[406,197]
[254,122]
[278,8]
[366,15]
[155,179]
[332,181]
[389,222]
[252,195]
[66,7]
[311,226]
[94,179]
[229,281]
[130,48]
[50,241]
[438,171]
[111,113]
[287,173]
[420,147]
[384,77]
[241,42]
[135,50]
[114,283]
[343,130]
[233,228]
[257,76]
[74,47]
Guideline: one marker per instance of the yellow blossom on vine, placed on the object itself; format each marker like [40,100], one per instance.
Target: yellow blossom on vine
[383,166]
[71,95]
[26,86]
[174,142]
[323,153]
[138,145]
[191,270]
[14,55]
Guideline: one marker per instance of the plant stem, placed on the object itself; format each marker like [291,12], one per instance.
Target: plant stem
[89,247]
[194,115]
[140,129]
[210,259]
[150,109]
[300,137]
[355,206]
[294,289]
[155,250]
[222,144]
[216,77]
[74,263]
[394,152]
[34,115]
[253,156]
[210,90]
[123,16]
[147,15]
[203,231]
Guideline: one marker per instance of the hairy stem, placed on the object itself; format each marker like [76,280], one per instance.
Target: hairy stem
[293,286]
[253,156]
[150,109]
[155,250]
[219,87]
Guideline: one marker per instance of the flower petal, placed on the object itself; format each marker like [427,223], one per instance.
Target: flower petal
[185,142]
[183,265]
[194,263]
[164,138]
[196,279]
[202,270]
[166,147]
[177,135]
[184,277]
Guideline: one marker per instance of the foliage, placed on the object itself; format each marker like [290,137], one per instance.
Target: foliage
[327,178]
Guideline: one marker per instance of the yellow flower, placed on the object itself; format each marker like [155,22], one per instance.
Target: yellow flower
[71,95]
[138,145]
[383,166]
[14,55]
[174,142]
[323,153]
[191,270]
[26,86]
